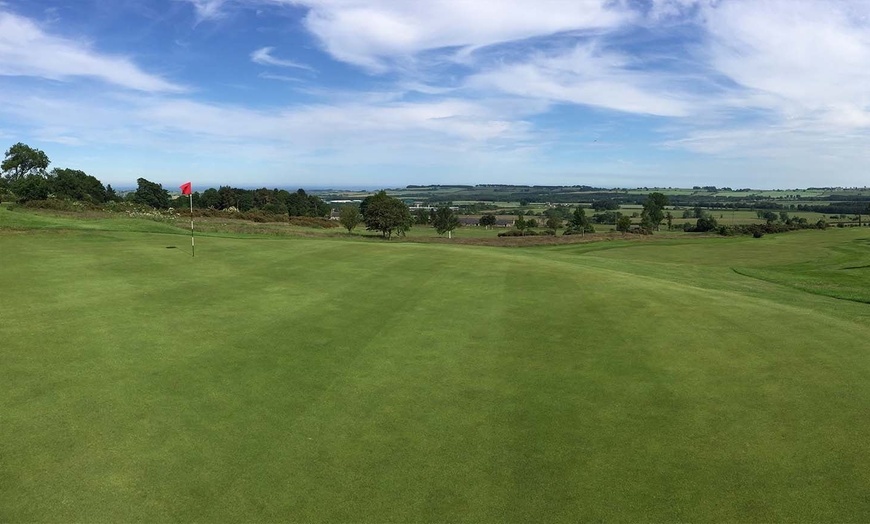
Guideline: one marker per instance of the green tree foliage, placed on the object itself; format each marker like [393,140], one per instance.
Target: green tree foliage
[151,194]
[263,197]
[386,214]
[487,220]
[301,204]
[706,223]
[520,223]
[245,200]
[226,198]
[607,217]
[77,185]
[605,205]
[31,187]
[654,210]
[554,222]
[562,212]
[579,222]
[623,223]
[421,217]
[111,195]
[445,220]
[769,216]
[350,217]
[22,160]
[210,199]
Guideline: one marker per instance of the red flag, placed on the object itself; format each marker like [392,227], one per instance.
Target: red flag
[186,188]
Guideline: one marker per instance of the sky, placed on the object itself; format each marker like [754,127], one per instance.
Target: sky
[386,93]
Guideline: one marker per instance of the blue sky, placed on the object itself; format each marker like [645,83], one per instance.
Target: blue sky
[366,93]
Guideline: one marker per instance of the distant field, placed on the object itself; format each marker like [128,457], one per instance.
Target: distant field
[270,378]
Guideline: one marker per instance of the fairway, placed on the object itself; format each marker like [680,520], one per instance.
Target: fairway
[326,379]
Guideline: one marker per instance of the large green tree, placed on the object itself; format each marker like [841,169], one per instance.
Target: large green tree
[301,204]
[554,222]
[654,210]
[386,214]
[75,184]
[623,223]
[31,187]
[445,220]
[579,222]
[151,194]
[349,217]
[22,160]
[487,220]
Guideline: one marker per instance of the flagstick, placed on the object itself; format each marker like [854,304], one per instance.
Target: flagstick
[192,244]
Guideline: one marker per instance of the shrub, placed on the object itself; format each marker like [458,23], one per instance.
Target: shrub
[322,223]
[62,204]
[517,233]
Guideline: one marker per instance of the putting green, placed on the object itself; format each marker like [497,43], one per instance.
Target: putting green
[322,379]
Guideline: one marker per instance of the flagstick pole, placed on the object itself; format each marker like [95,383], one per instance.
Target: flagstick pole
[192,244]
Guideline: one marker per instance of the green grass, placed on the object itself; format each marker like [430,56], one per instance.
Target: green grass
[326,380]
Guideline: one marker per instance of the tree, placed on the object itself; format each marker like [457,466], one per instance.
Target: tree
[349,217]
[579,222]
[421,217]
[445,221]
[520,223]
[301,204]
[605,205]
[111,196]
[653,209]
[670,218]
[210,199]
[707,223]
[623,223]
[487,220]
[31,187]
[22,160]
[386,214]
[151,194]
[227,198]
[77,185]
[298,204]
[554,222]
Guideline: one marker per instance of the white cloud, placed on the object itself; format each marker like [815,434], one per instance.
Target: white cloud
[371,33]
[26,50]
[263,56]
[206,9]
[588,76]
[811,56]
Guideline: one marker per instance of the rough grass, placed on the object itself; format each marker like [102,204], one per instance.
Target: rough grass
[325,380]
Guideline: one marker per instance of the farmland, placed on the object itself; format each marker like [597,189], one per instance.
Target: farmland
[336,377]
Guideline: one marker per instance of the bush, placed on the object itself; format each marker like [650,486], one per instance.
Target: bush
[57,204]
[322,223]
[527,233]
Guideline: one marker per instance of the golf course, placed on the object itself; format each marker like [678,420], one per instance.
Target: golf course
[355,379]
